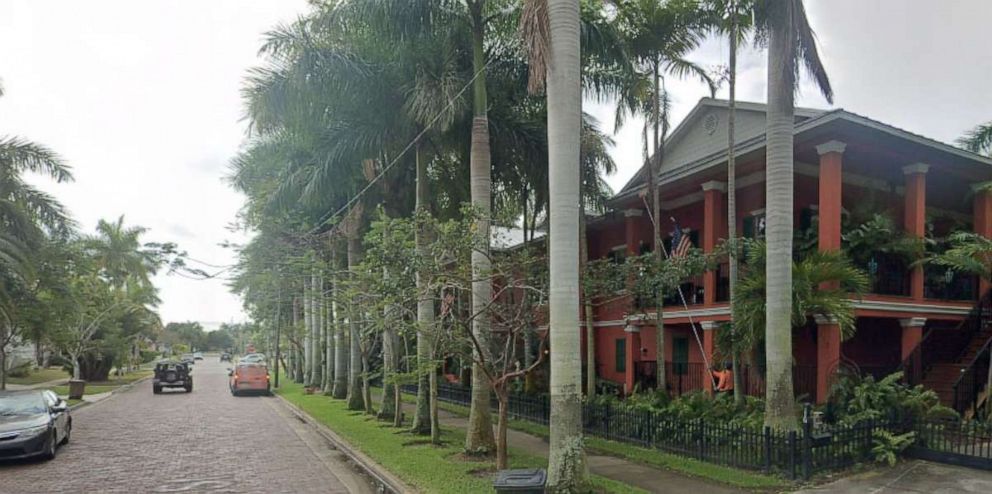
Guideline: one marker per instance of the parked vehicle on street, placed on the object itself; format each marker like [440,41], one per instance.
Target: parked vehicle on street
[188,358]
[172,374]
[252,358]
[32,423]
[225,357]
[198,356]
[249,378]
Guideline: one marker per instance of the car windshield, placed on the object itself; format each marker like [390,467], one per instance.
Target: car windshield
[22,404]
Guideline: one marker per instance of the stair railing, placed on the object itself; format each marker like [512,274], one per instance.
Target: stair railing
[973,380]
[915,366]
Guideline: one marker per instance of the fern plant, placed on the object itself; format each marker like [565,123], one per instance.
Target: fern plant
[886,446]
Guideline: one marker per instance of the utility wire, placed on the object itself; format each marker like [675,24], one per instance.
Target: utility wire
[323,221]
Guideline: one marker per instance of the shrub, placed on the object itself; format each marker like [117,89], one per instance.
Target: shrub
[22,369]
[149,356]
[856,399]
[887,445]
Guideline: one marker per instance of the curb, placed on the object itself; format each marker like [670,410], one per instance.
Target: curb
[387,482]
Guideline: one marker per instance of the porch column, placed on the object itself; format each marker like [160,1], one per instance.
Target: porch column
[631,219]
[633,334]
[708,328]
[714,216]
[982,211]
[827,354]
[915,216]
[912,334]
[831,154]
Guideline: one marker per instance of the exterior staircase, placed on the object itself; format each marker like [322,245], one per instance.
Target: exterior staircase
[943,375]
[955,363]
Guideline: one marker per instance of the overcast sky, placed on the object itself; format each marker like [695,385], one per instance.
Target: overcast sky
[141,98]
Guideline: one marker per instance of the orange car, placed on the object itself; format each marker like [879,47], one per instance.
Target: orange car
[248,378]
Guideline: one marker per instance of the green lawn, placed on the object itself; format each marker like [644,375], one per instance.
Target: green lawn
[40,376]
[433,469]
[90,389]
[695,468]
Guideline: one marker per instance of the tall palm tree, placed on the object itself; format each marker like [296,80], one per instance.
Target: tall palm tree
[733,18]
[566,463]
[658,36]
[978,140]
[790,42]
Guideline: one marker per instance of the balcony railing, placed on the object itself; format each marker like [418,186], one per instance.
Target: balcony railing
[944,284]
[889,275]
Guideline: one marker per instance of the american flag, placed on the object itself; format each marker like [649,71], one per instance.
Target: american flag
[681,242]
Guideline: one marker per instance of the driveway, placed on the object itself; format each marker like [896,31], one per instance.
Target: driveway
[204,441]
[912,477]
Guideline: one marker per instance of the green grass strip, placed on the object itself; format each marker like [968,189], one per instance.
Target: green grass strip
[648,456]
[430,469]
[40,376]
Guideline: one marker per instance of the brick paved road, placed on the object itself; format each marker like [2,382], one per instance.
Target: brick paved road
[205,441]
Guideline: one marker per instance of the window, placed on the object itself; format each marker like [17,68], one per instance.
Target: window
[754,226]
[621,363]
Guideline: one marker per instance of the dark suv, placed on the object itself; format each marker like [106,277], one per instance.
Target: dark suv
[172,374]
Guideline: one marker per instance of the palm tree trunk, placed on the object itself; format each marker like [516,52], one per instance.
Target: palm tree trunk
[316,326]
[587,305]
[566,460]
[389,353]
[308,333]
[732,192]
[328,315]
[479,436]
[425,309]
[779,399]
[355,373]
[341,340]
[653,169]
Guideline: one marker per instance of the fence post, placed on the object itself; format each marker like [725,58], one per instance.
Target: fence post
[768,449]
[702,439]
[807,440]
[792,455]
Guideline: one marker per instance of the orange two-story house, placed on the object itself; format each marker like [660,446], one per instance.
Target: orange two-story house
[915,315]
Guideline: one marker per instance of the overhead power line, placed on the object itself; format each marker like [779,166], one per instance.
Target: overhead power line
[323,221]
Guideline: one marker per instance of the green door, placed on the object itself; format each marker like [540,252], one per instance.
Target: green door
[680,355]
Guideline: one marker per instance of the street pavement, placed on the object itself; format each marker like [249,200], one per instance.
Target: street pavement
[204,441]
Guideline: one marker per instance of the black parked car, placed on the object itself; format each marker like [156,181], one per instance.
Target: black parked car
[172,374]
[32,423]
[225,357]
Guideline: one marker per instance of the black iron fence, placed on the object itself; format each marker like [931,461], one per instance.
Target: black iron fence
[795,454]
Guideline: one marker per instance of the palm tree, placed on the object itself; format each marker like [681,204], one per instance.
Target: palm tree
[659,35]
[978,140]
[120,255]
[809,299]
[790,41]
[732,17]
[566,463]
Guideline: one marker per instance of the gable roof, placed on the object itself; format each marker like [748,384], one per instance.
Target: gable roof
[807,120]
[692,121]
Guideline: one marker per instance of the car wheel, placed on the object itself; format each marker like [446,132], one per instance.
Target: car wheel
[189,389]
[156,389]
[51,446]
[68,432]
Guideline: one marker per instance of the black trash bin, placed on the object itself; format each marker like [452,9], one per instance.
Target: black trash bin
[525,481]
